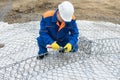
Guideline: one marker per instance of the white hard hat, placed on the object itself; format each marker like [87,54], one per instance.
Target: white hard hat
[66,11]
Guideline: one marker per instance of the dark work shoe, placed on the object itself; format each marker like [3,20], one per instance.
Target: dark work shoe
[46,54]
[39,57]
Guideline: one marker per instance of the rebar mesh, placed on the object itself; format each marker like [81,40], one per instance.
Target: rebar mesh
[96,59]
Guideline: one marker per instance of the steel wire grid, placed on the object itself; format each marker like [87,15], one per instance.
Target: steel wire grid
[97,59]
[29,68]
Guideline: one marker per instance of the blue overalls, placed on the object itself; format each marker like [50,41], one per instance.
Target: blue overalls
[50,32]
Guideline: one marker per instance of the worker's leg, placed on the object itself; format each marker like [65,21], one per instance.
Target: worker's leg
[42,47]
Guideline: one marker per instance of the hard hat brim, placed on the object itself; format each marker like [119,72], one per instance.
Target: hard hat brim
[65,18]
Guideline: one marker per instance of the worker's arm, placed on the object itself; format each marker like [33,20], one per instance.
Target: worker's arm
[44,32]
[74,32]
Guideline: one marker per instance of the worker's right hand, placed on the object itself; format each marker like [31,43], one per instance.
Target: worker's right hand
[55,46]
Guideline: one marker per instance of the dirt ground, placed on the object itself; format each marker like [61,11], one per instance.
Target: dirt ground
[31,10]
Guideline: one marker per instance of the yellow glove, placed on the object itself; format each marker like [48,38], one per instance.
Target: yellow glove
[55,46]
[68,47]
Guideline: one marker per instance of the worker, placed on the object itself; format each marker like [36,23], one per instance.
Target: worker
[59,29]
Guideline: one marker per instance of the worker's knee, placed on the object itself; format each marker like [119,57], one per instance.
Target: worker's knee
[74,48]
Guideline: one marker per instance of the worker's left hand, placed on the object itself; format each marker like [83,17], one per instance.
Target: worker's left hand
[68,47]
